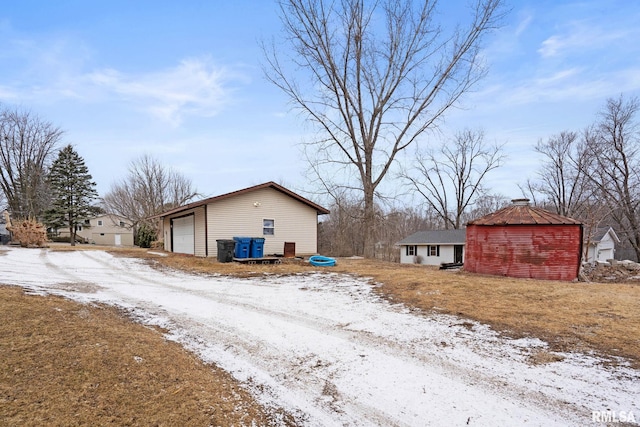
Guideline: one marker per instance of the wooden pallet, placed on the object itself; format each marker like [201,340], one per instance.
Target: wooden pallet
[264,260]
[450,265]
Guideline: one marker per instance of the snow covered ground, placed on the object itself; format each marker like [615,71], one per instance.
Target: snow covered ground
[328,349]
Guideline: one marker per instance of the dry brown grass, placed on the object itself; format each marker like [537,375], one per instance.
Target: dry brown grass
[571,316]
[63,364]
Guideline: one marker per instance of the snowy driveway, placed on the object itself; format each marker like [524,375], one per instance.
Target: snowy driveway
[326,348]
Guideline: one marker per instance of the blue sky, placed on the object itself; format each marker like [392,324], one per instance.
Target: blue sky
[182,81]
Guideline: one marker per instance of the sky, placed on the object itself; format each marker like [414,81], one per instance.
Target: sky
[184,82]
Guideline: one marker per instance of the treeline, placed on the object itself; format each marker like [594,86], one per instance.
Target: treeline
[592,175]
[341,232]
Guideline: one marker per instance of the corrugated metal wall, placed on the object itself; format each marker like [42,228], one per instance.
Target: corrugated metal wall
[549,252]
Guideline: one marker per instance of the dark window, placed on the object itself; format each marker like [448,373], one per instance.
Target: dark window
[412,250]
[433,250]
[268,227]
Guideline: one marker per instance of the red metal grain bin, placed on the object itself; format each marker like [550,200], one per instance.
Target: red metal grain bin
[524,241]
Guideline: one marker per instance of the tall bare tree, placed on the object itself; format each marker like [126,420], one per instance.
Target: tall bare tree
[378,76]
[562,180]
[451,179]
[486,204]
[614,144]
[27,147]
[149,189]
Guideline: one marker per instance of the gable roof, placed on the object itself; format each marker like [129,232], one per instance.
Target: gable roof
[270,184]
[521,213]
[436,237]
[600,232]
[110,216]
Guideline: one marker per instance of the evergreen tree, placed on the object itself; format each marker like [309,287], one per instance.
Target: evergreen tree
[72,191]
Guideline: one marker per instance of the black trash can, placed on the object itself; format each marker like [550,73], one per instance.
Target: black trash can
[225,250]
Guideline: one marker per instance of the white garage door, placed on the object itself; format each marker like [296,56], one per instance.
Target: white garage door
[183,241]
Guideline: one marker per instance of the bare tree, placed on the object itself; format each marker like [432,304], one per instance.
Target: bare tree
[486,204]
[379,75]
[450,179]
[340,233]
[27,147]
[614,144]
[562,179]
[149,189]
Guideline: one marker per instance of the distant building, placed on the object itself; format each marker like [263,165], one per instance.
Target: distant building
[5,235]
[110,230]
[601,245]
[433,247]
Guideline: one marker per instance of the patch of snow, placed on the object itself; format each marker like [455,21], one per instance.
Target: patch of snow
[157,253]
[328,349]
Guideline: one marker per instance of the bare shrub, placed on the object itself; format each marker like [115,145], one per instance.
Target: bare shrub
[30,233]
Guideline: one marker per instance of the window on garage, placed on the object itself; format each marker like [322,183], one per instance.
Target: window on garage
[268,227]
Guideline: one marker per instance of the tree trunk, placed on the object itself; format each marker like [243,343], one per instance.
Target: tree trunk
[369,224]
[72,235]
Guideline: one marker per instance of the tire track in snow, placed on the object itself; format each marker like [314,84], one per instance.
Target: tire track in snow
[253,347]
[231,327]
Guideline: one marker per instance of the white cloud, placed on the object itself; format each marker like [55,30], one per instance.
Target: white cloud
[194,87]
[581,37]
[61,68]
[523,24]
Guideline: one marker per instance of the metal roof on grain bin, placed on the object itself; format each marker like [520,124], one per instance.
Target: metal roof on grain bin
[521,213]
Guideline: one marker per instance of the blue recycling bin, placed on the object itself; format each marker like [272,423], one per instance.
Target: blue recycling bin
[257,247]
[242,247]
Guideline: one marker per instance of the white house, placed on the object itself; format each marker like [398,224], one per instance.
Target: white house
[433,247]
[267,211]
[601,245]
[106,229]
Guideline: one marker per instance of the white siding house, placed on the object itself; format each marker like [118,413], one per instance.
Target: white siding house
[601,245]
[433,247]
[107,229]
[267,211]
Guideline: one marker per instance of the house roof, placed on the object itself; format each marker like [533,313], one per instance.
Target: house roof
[600,232]
[270,184]
[436,237]
[520,212]
[110,216]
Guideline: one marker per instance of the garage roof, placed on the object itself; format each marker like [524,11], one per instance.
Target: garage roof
[270,184]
